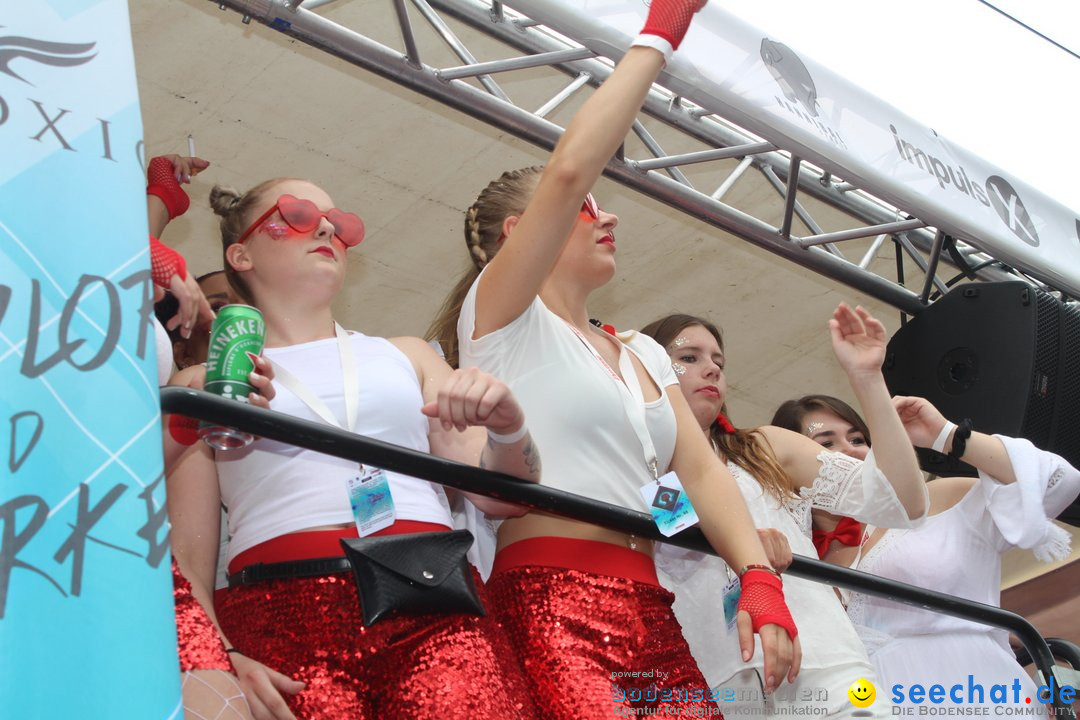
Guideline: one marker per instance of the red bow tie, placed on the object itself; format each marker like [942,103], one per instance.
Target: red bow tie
[848,531]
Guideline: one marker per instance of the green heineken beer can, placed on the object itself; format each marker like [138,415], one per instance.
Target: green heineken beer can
[237,331]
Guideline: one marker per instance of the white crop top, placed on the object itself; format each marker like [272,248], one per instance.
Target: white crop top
[573,406]
[273,488]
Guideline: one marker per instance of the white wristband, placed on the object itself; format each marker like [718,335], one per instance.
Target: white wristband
[509,438]
[656,43]
[939,444]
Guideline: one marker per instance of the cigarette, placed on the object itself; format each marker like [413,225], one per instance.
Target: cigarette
[190,146]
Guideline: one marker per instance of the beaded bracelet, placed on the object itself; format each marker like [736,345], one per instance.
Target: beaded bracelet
[766,568]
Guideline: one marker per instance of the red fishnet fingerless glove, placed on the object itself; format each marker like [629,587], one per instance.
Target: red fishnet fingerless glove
[165,262]
[161,181]
[670,19]
[762,596]
[183,429]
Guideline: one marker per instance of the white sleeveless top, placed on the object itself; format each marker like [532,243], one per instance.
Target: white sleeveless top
[573,407]
[272,488]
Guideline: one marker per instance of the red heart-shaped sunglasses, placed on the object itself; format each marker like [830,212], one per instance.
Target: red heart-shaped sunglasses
[304,216]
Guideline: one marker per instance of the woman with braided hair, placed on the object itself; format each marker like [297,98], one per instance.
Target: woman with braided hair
[784,478]
[582,603]
[209,687]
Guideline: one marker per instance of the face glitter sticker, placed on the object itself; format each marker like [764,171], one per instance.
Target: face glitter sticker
[679,342]
[679,368]
[278,231]
[814,427]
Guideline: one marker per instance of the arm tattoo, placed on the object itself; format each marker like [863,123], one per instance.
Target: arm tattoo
[532,457]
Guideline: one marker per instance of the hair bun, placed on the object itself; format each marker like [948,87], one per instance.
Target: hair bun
[223,200]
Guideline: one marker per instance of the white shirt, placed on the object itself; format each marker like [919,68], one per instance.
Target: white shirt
[573,405]
[273,488]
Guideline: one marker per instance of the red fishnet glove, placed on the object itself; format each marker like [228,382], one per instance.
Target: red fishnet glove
[164,263]
[762,596]
[666,25]
[183,429]
[161,181]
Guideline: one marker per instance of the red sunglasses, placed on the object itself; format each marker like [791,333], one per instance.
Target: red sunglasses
[304,216]
[590,208]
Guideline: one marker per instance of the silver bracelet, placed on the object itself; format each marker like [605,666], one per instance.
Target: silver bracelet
[509,438]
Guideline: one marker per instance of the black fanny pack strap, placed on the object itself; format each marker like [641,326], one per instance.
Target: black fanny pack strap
[313,567]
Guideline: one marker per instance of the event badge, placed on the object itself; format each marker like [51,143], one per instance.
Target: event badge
[669,504]
[732,591]
[371,501]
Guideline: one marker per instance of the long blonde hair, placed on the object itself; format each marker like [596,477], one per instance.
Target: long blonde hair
[506,196]
[749,449]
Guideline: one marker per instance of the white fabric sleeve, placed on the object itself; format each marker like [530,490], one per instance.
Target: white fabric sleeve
[654,357]
[493,347]
[1022,511]
[858,489]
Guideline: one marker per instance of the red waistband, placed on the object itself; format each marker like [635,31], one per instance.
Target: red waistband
[590,556]
[318,543]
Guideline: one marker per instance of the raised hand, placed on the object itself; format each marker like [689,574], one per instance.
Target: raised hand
[858,340]
[669,19]
[165,173]
[922,421]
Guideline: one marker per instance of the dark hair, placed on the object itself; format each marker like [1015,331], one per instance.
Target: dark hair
[506,196]
[748,449]
[167,307]
[790,414]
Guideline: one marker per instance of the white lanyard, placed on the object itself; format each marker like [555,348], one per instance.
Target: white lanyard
[350,384]
[632,398]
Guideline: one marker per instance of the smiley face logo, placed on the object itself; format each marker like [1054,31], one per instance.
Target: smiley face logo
[862,693]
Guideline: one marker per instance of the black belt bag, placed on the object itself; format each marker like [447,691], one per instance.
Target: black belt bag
[413,574]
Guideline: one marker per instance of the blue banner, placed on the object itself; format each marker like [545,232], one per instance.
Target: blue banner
[86,616]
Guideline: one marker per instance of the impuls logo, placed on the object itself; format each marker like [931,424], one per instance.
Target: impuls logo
[797,85]
[14,47]
[997,193]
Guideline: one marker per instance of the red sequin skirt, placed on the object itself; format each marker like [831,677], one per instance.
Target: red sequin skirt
[595,644]
[198,642]
[453,666]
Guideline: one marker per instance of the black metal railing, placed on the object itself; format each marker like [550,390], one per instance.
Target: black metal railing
[340,443]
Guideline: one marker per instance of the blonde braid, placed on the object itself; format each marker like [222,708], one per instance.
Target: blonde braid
[506,196]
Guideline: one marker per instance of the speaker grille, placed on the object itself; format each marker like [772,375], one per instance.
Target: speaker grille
[1044,371]
[1067,425]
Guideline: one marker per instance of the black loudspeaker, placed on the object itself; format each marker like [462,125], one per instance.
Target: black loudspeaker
[1005,355]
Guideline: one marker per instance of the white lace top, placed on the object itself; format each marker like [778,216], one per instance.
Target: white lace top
[959,552]
[844,486]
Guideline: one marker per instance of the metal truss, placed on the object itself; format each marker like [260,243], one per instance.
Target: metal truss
[659,175]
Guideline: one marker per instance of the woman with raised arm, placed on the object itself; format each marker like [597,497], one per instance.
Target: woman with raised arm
[957,551]
[784,477]
[303,643]
[581,602]
[209,687]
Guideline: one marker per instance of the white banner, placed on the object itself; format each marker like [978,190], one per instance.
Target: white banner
[87,628]
[756,81]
